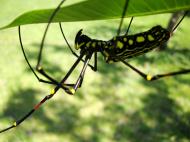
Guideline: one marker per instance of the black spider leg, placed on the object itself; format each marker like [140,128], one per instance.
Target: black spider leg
[122,19]
[22,119]
[129,26]
[41,71]
[72,51]
[95,67]
[52,93]
[73,89]
[38,66]
[85,65]
[179,22]
[81,76]
[158,76]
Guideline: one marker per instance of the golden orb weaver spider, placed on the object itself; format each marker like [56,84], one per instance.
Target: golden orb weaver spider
[118,49]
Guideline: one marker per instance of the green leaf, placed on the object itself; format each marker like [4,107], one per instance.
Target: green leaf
[101,10]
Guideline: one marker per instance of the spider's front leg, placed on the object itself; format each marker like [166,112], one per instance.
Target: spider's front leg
[49,80]
[72,88]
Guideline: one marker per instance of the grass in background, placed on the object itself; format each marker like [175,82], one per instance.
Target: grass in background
[114,104]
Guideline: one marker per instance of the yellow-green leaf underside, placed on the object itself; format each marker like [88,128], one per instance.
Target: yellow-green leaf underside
[101,10]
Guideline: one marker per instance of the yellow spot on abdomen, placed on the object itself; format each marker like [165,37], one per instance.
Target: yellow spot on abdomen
[88,44]
[140,39]
[130,42]
[150,38]
[119,44]
[125,39]
[94,44]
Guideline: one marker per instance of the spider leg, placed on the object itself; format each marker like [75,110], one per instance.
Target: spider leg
[72,90]
[64,85]
[123,15]
[40,70]
[45,33]
[38,67]
[122,18]
[157,76]
[176,26]
[129,26]
[53,92]
[95,67]
[74,53]
[22,119]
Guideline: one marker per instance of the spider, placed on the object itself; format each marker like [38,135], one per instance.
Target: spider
[117,49]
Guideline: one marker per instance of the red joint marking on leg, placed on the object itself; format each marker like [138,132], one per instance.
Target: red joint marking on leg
[37,106]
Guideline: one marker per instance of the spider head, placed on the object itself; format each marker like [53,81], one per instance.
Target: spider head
[159,34]
[81,40]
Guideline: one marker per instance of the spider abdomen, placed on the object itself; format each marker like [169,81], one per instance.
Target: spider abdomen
[128,46]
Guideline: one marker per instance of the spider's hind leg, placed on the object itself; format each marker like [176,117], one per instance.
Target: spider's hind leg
[158,76]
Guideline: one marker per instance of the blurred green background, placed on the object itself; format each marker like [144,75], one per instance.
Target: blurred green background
[114,103]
